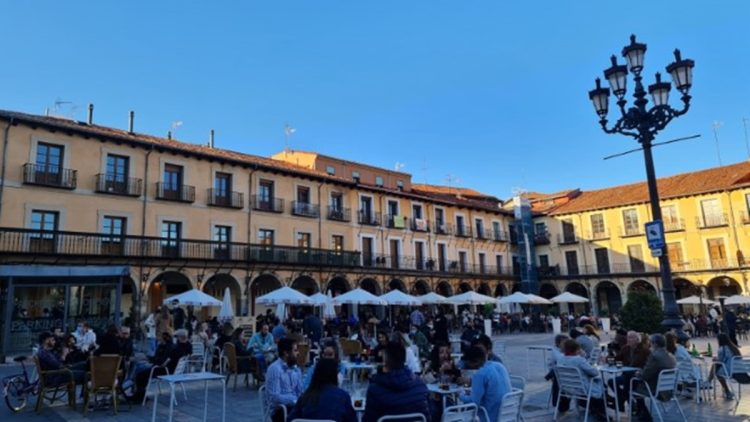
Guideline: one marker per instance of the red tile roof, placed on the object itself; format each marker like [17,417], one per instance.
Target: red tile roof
[686,184]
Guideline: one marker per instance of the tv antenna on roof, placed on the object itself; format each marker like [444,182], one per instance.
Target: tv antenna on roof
[716,127]
[288,131]
[399,166]
[58,109]
[450,180]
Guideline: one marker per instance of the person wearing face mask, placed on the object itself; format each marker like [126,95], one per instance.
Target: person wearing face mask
[86,337]
[261,344]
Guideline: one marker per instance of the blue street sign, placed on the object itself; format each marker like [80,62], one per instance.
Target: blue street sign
[655,235]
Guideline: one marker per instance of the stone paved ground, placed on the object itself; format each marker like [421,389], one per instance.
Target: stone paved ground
[242,405]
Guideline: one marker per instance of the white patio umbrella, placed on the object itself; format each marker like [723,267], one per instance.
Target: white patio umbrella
[280,311]
[470,298]
[397,297]
[319,299]
[193,297]
[568,297]
[358,297]
[538,300]
[284,295]
[432,298]
[227,311]
[695,300]
[516,297]
[737,300]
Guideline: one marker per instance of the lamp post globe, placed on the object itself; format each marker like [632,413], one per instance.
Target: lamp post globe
[643,123]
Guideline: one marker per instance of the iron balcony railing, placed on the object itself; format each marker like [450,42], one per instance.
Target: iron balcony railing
[462,230]
[599,234]
[483,234]
[631,231]
[116,185]
[567,239]
[226,199]
[263,203]
[713,220]
[674,225]
[171,192]
[60,243]
[394,221]
[48,175]
[611,268]
[339,214]
[541,238]
[368,218]
[420,225]
[411,263]
[442,227]
[305,209]
[499,236]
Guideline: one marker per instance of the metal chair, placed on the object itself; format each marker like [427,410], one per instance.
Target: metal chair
[595,355]
[690,377]
[231,362]
[460,413]
[740,365]
[152,381]
[411,417]
[265,410]
[198,357]
[665,391]
[46,386]
[574,386]
[519,384]
[510,411]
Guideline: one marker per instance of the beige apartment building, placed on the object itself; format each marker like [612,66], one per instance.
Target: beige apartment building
[172,216]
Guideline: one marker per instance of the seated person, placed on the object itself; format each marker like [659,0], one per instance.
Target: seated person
[441,367]
[573,357]
[74,354]
[50,361]
[243,365]
[585,341]
[379,349]
[262,346]
[283,380]
[330,351]
[658,360]
[555,356]
[161,357]
[484,341]
[397,390]
[489,383]
[323,399]
[469,334]
[109,343]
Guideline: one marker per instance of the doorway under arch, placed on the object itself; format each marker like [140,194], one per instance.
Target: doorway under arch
[167,284]
[371,285]
[500,290]
[723,286]
[484,289]
[396,284]
[641,286]
[548,291]
[608,298]
[445,289]
[264,283]
[305,285]
[215,287]
[420,288]
[464,287]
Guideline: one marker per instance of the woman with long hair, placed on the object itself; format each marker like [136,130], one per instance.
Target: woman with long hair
[722,368]
[323,399]
[591,332]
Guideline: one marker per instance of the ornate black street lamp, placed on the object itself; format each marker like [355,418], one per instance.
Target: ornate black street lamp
[643,124]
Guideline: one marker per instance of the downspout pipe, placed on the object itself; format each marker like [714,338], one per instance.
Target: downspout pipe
[143,234]
[6,135]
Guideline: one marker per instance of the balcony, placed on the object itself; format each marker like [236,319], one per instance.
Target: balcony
[217,198]
[420,225]
[744,217]
[36,243]
[499,236]
[462,231]
[368,218]
[607,269]
[674,225]
[266,204]
[710,221]
[305,209]
[483,234]
[339,214]
[541,238]
[111,184]
[567,239]
[631,231]
[443,228]
[178,193]
[599,235]
[410,263]
[52,176]
[393,221]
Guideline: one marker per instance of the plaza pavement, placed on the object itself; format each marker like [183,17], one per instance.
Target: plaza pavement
[242,405]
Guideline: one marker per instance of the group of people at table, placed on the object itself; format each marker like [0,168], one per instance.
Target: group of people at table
[643,357]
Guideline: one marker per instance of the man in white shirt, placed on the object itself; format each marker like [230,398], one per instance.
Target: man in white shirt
[87,339]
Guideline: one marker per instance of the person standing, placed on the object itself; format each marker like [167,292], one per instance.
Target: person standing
[417,318]
[441,327]
[488,385]
[150,325]
[164,323]
[730,319]
[283,380]
[178,315]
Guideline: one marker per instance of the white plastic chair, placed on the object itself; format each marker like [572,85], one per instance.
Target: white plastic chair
[666,384]
[740,365]
[596,354]
[510,411]
[198,357]
[411,417]
[265,410]
[152,381]
[689,377]
[499,348]
[460,413]
[573,385]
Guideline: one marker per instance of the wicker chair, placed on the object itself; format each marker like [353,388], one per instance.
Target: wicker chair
[47,387]
[350,347]
[103,379]
[231,363]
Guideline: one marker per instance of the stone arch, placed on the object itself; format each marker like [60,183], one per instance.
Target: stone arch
[578,289]
[444,289]
[641,286]
[168,283]
[516,288]
[723,286]
[420,287]
[262,284]
[338,285]
[305,284]
[500,290]
[685,288]
[371,285]
[215,286]
[548,290]
[609,297]
[396,284]
[464,287]
[484,289]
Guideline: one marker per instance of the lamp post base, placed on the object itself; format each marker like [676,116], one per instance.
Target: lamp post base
[672,322]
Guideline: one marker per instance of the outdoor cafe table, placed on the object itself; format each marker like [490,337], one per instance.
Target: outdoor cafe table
[452,390]
[173,380]
[352,367]
[612,372]
[529,349]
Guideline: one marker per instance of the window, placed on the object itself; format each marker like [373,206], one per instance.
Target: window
[117,170]
[460,229]
[442,256]
[416,211]
[544,261]
[331,170]
[571,261]
[717,252]
[670,218]
[222,237]
[171,232]
[400,184]
[337,201]
[499,263]
[265,237]
[635,254]
[479,225]
[513,234]
[630,222]
[303,240]
[46,222]
[439,217]
[569,231]
[368,250]
[303,194]
[712,214]
[540,228]
[462,261]
[395,249]
[393,207]
[365,210]
[223,185]
[497,230]
[676,261]
[265,191]
[482,263]
[597,226]
[49,159]
[355,175]
[516,265]
[114,228]
[172,177]
[337,243]
[378,180]
[419,255]
[602,260]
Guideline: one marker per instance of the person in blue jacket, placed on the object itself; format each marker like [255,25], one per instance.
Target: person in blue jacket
[397,390]
[324,400]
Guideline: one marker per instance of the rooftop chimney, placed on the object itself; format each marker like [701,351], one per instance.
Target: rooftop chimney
[91,114]
[130,121]
[211,139]
[169,134]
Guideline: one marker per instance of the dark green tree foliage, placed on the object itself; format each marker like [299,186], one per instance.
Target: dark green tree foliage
[642,313]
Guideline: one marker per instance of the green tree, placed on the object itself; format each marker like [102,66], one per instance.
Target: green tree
[642,313]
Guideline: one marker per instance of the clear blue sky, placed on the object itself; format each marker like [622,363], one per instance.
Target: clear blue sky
[493,92]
